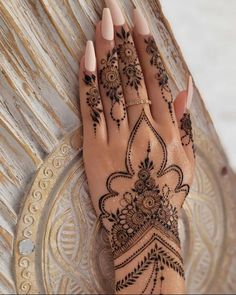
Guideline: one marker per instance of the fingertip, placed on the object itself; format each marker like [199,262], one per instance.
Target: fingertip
[181,95]
[190,92]
[116,13]
[180,104]
[140,23]
[90,57]
[107,28]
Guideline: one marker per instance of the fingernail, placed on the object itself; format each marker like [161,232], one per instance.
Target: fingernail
[107,28]
[140,23]
[190,92]
[90,57]
[116,13]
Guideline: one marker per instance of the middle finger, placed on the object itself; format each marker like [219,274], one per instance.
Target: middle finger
[130,69]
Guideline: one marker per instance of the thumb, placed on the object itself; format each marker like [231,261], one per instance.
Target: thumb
[181,105]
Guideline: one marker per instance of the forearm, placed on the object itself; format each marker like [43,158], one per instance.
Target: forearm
[153,265]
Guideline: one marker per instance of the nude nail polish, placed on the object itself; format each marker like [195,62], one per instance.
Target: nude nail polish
[140,23]
[107,28]
[116,13]
[90,57]
[190,92]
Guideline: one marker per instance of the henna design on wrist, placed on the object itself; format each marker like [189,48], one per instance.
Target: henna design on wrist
[186,127]
[154,237]
[128,57]
[161,75]
[93,100]
[110,80]
[144,209]
[158,257]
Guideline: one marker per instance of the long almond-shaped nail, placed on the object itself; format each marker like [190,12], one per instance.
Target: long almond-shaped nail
[90,57]
[107,28]
[140,23]
[116,13]
[190,92]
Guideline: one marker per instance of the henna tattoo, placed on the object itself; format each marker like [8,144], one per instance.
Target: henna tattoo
[144,209]
[155,237]
[110,80]
[147,207]
[157,256]
[93,99]
[146,199]
[186,127]
[161,75]
[153,273]
[128,57]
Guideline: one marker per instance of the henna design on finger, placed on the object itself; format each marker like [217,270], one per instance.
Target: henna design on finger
[110,80]
[93,100]
[186,127]
[161,75]
[145,214]
[128,57]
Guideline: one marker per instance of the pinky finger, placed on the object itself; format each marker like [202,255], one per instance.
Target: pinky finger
[94,125]
[181,105]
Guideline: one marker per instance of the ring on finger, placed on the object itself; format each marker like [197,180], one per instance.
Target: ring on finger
[137,102]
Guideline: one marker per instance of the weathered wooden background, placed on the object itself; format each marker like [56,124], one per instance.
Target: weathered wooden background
[50,241]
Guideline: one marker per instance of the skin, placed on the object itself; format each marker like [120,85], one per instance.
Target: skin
[106,153]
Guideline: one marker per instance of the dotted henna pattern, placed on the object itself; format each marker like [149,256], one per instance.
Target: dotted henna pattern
[161,75]
[186,127]
[144,207]
[158,257]
[93,100]
[109,78]
[128,57]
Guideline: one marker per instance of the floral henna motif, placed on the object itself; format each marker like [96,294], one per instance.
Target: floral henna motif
[93,100]
[161,75]
[128,57]
[110,80]
[186,127]
[147,206]
[144,206]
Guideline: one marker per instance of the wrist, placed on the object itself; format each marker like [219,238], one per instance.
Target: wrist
[132,228]
[148,263]
[155,240]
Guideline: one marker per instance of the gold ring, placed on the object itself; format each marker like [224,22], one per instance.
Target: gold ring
[138,101]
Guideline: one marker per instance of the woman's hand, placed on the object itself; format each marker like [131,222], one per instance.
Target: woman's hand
[138,153]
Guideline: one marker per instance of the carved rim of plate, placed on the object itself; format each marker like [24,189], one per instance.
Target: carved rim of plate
[34,202]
